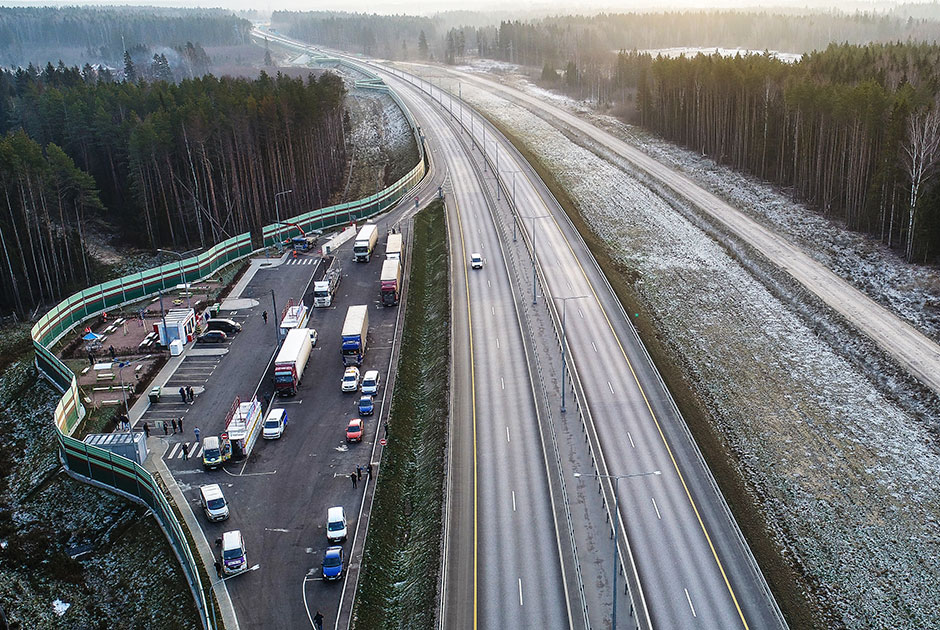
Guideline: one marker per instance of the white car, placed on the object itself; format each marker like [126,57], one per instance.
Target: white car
[370,382]
[476,261]
[313,336]
[351,379]
[213,502]
[274,425]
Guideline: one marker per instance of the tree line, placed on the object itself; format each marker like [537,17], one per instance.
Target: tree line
[854,131]
[33,34]
[162,164]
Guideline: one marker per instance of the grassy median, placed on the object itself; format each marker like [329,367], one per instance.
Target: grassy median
[401,561]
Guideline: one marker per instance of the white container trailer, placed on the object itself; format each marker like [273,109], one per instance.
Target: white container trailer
[393,247]
[291,360]
[365,242]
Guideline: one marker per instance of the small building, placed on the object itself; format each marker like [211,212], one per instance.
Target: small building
[131,445]
[180,324]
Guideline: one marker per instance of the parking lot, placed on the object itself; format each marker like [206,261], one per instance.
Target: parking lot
[279,496]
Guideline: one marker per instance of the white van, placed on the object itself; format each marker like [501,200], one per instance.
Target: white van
[370,382]
[213,502]
[274,424]
[234,557]
[336,524]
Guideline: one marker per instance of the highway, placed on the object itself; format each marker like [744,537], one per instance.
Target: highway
[516,579]
[691,563]
[913,350]
[686,561]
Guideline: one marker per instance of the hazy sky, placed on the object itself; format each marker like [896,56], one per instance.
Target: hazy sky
[423,7]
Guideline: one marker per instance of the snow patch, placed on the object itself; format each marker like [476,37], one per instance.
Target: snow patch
[60,607]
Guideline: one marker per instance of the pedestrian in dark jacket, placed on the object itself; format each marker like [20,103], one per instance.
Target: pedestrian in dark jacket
[359,471]
[369,470]
[173,422]
[185,450]
[111,351]
[190,394]
[180,423]
[264,316]
[183,393]
[165,429]
[318,621]
[352,476]
[218,568]
[146,429]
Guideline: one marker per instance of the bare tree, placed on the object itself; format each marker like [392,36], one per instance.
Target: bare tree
[921,155]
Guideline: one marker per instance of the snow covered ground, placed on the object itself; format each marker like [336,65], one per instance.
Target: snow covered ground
[843,468]
[74,556]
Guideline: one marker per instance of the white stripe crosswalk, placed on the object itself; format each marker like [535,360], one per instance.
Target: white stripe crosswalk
[176,451]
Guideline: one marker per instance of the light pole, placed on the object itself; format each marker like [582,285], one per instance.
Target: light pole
[541,216]
[210,588]
[512,206]
[564,342]
[121,366]
[277,214]
[189,297]
[616,517]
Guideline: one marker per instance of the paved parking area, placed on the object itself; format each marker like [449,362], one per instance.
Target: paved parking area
[279,496]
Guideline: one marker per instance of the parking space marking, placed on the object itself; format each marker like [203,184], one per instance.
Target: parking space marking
[513,500]
[630,437]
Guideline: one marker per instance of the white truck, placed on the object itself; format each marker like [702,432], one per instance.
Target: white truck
[294,315]
[291,360]
[365,242]
[355,334]
[325,289]
[393,247]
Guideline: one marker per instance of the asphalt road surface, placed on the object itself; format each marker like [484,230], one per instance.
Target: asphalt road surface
[511,576]
[280,495]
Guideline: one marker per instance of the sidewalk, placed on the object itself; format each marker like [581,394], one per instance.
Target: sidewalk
[157,467]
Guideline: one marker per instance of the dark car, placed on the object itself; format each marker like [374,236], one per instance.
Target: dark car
[227,326]
[213,336]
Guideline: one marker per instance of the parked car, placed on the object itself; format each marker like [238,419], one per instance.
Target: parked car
[333,563]
[212,336]
[370,382]
[476,261]
[351,379]
[354,430]
[234,557]
[336,524]
[213,502]
[366,406]
[274,424]
[228,326]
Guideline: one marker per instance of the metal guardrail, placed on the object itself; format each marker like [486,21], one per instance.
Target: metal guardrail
[118,474]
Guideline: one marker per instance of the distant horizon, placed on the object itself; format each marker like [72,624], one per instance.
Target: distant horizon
[537,7]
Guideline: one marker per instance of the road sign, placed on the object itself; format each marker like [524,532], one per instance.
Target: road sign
[383,441]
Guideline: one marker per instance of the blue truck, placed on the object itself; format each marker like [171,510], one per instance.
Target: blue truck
[355,334]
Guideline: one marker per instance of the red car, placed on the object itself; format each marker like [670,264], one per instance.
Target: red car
[354,430]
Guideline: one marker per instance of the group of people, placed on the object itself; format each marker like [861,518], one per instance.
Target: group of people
[356,475]
[186,393]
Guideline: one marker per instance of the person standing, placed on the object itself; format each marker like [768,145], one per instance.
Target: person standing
[352,476]
[369,471]
[264,316]
[218,568]
[183,393]
[189,394]
[165,429]
[185,450]
[318,621]
[146,429]
[196,431]
[180,423]
[359,472]
[173,421]
[111,352]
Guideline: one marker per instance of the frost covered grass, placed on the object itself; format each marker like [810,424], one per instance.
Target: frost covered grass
[401,561]
[842,472]
[72,555]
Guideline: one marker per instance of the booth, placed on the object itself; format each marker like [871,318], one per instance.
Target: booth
[180,324]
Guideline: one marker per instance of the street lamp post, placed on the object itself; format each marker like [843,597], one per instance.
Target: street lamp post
[210,588]
[616,517]
[189,297]
[541,216]
[121,366]
[564,342]
[277,213]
